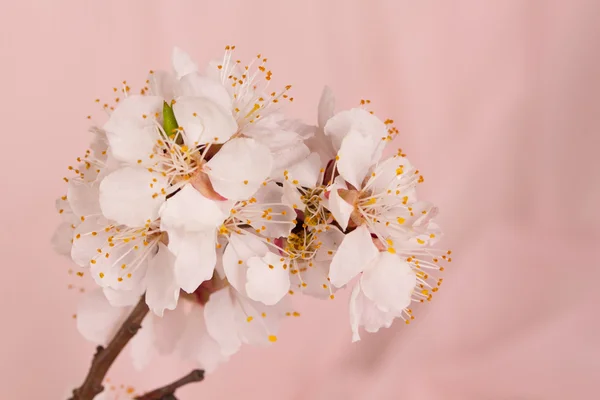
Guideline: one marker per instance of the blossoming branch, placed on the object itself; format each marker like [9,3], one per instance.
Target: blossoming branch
[201,198]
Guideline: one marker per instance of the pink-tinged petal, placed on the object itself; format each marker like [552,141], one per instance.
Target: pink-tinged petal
[268,280]
[356,310]
[168,330]
[339,208]
[237,253]
[132,196]
[62,239]
[142,344]
[196,257]
[326,107]
[306,172]
[389,282]
[131,129]
[204,121]
[162,290]
[83,198]
[196,85]
[97,320]
[189,210]
[182,63]
[353,256]
[219,315]
[239,168]
[196,344]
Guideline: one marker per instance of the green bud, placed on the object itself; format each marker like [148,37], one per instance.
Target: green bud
[170,124]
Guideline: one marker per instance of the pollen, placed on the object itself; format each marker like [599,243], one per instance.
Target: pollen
[249,319]
[240,262]
[272,338]
[245,182]
[101,275]
[420,241]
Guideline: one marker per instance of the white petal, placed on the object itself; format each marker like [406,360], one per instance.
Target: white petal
[197,345]
[191,211]
[330,241]
[291,196]
[132,196]
[162,290]
[62,239]
[355,157]
[241,248]
[196,257]
[326,106]
[355,119]
[363,312]
[256,322]
[168,329]
[196,85]
[162,84]
[204,121]
[340,208]
[239,168]
[220,323]
[182,63]
[267,215]
[356,310]
[88,237]
[392,173]
[83,198]
[312,279]
[306,173]
[142,344]
[268,280]
[123,298]
[122,267]
[97,320]
[353,256]
[131,136]
[389,282]
[285,158]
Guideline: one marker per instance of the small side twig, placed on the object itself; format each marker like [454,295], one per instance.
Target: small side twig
[105,357]
[168,392]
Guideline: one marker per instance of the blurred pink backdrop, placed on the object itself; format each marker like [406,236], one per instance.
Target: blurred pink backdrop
[498,103]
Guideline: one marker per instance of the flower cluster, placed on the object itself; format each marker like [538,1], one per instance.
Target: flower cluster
[199,193]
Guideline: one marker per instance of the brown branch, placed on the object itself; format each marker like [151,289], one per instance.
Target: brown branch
[168,392]
[105,357]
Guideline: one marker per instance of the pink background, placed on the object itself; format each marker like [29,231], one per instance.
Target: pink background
[498,103]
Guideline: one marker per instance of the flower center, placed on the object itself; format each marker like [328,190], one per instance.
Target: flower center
[314,212]
[302,245]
